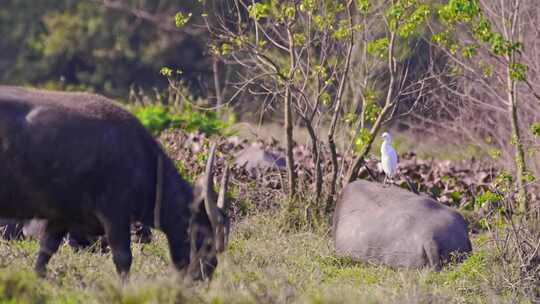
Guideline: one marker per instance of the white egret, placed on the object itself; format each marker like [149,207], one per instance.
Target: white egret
[389,157]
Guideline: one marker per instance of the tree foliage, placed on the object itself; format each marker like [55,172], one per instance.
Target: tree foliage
[484,38]
[345,65]
[105,46]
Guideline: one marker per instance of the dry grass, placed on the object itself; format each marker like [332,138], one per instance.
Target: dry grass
[261,265]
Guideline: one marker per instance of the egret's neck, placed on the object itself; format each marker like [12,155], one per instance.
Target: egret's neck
[386,145]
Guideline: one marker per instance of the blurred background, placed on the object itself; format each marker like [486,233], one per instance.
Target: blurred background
[103,46]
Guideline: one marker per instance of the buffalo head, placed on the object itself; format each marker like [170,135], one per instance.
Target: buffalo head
[209,225]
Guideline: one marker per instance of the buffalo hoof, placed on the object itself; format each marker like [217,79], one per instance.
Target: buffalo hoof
[124,277]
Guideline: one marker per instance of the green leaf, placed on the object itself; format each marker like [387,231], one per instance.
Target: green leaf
[343,30]
[468,51]
[495,153]
[307,6]
[180,19]
[528,177]
[414,20]
[441,38]
[482,30]
[258,10]
[299,38]
[350,118]
[459,11]
[378,47]
[226,49]
[372,111]
[499,46]
[326,99]
[363,5]
[361,140]
[166,71]
[518,71]
[487,197]
[535,129]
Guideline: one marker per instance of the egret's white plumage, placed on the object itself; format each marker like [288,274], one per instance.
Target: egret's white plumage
[389,157]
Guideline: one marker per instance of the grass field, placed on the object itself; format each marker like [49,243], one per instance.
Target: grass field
[261,265]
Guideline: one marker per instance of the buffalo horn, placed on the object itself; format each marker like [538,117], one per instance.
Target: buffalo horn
[221,202]
[209,194]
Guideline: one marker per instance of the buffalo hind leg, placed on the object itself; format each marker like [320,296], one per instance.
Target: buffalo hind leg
[431,251]
[119,239]
[48,245]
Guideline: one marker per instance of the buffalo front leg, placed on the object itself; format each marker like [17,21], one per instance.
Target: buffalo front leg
[48,245]
[119,239]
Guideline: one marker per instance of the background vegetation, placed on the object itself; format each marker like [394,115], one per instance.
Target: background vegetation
[104,46]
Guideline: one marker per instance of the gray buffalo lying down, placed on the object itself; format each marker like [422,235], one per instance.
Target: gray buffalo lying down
[395,227]
[88,166]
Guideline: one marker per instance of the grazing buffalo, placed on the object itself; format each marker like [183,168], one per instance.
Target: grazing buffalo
[86,165]
[391,226]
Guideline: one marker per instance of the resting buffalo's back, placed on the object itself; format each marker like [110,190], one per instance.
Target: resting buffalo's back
[255,157]
[59,151]
[392,226]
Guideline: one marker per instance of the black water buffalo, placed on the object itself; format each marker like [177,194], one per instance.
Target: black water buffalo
[86,165]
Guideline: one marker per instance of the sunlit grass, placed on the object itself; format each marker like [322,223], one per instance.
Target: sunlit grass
[262,265]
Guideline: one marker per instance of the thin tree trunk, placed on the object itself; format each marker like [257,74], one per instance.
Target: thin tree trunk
[512,101]
[316,160]
[519,157]
[217,85]
[337,110]
[289,140]
[317,156]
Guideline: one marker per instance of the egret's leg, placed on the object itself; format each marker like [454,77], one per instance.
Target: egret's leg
[411,186]
[385,180]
